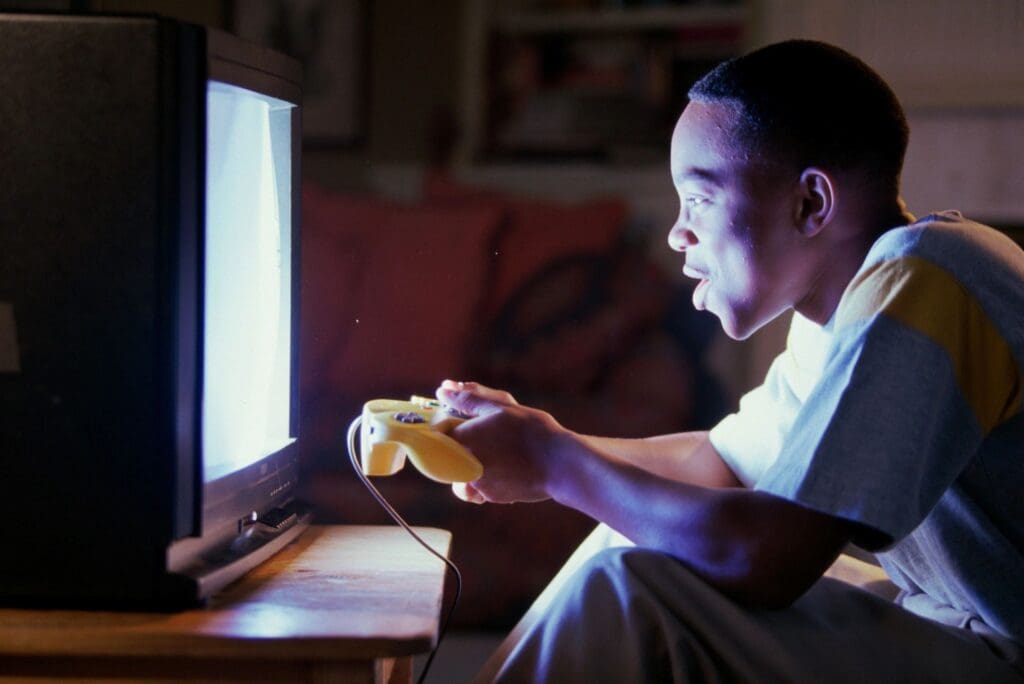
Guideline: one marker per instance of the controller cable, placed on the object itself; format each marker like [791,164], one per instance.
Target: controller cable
[352,428]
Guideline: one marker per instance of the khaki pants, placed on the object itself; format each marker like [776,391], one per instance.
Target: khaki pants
[635,615]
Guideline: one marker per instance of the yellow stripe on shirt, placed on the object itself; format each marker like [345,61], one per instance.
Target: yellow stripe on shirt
[926,298]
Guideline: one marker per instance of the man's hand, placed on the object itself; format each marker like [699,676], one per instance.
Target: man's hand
[516,444]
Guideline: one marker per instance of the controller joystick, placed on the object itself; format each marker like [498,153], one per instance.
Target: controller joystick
[418,428]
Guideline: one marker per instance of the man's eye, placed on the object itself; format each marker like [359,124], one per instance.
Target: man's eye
[692,201]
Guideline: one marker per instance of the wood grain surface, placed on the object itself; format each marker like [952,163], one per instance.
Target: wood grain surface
[337,593]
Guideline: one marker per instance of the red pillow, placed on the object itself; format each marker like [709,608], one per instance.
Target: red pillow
[330,271]
[536,232]
[400,316]
[539,233]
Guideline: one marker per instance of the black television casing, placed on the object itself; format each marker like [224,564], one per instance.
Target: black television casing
[102,153]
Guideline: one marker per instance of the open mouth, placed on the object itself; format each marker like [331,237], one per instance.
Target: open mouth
[700,291]
[700,294]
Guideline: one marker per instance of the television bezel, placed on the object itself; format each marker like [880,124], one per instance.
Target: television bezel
[211,515]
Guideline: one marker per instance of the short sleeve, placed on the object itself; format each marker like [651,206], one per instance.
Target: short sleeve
[750,439]
[916,376]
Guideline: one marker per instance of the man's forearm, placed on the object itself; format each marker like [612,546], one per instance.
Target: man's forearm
[684,457]
[752,545]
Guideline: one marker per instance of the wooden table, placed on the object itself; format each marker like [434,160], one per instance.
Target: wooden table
[340,604]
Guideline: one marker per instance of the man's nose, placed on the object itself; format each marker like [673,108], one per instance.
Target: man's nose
[680,238]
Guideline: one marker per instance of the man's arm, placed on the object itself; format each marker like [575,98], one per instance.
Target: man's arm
[754,546]
[684,457]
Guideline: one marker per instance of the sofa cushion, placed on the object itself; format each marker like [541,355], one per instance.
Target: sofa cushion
[330,271]
[535,233]
[390,291]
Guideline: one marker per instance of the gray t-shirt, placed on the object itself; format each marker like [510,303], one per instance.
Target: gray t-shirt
[904,414]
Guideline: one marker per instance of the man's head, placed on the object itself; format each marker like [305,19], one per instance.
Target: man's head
[807,103]
[782,156]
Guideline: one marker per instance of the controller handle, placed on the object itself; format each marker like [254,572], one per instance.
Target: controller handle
[392,430]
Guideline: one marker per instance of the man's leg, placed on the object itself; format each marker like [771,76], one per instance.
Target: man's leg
[635,615]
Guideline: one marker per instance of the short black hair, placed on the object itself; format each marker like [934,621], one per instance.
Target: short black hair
[808,103]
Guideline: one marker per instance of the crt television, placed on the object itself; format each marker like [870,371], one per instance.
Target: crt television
[149,255]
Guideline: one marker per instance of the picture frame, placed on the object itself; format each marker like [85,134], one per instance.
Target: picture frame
[330,38]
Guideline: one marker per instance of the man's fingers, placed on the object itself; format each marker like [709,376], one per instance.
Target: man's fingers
[467,492]
[473,398]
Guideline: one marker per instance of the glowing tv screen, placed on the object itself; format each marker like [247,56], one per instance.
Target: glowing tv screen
[247,309]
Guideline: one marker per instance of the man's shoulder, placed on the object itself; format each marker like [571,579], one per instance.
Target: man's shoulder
[948,239]
[939,263]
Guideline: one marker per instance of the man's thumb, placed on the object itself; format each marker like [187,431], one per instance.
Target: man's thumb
[467,400]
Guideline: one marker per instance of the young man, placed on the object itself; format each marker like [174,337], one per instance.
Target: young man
[893,419]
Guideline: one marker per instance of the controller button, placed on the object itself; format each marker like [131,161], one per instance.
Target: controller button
[456,413]
[410,418]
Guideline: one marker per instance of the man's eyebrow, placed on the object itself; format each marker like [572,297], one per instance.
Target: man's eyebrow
[697,173]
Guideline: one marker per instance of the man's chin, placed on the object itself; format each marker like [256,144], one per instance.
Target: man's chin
[736,328]
[738,334]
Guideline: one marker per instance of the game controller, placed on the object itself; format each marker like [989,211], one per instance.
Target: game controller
[418,428]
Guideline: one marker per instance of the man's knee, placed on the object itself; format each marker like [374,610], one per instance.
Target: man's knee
[628,579]
[618,566]
[632,564]
[618,618]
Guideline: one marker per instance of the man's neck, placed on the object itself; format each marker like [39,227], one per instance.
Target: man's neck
[846,251]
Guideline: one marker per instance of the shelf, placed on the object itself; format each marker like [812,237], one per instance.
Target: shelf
[599,82]
[619,20]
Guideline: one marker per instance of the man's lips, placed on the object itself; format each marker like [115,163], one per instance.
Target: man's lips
[691,272]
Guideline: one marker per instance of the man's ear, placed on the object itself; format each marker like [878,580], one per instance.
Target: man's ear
[817,203]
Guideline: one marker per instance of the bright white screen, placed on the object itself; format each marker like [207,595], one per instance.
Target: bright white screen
[247,318]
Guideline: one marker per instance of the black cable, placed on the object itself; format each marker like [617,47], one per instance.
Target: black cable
[398,519]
